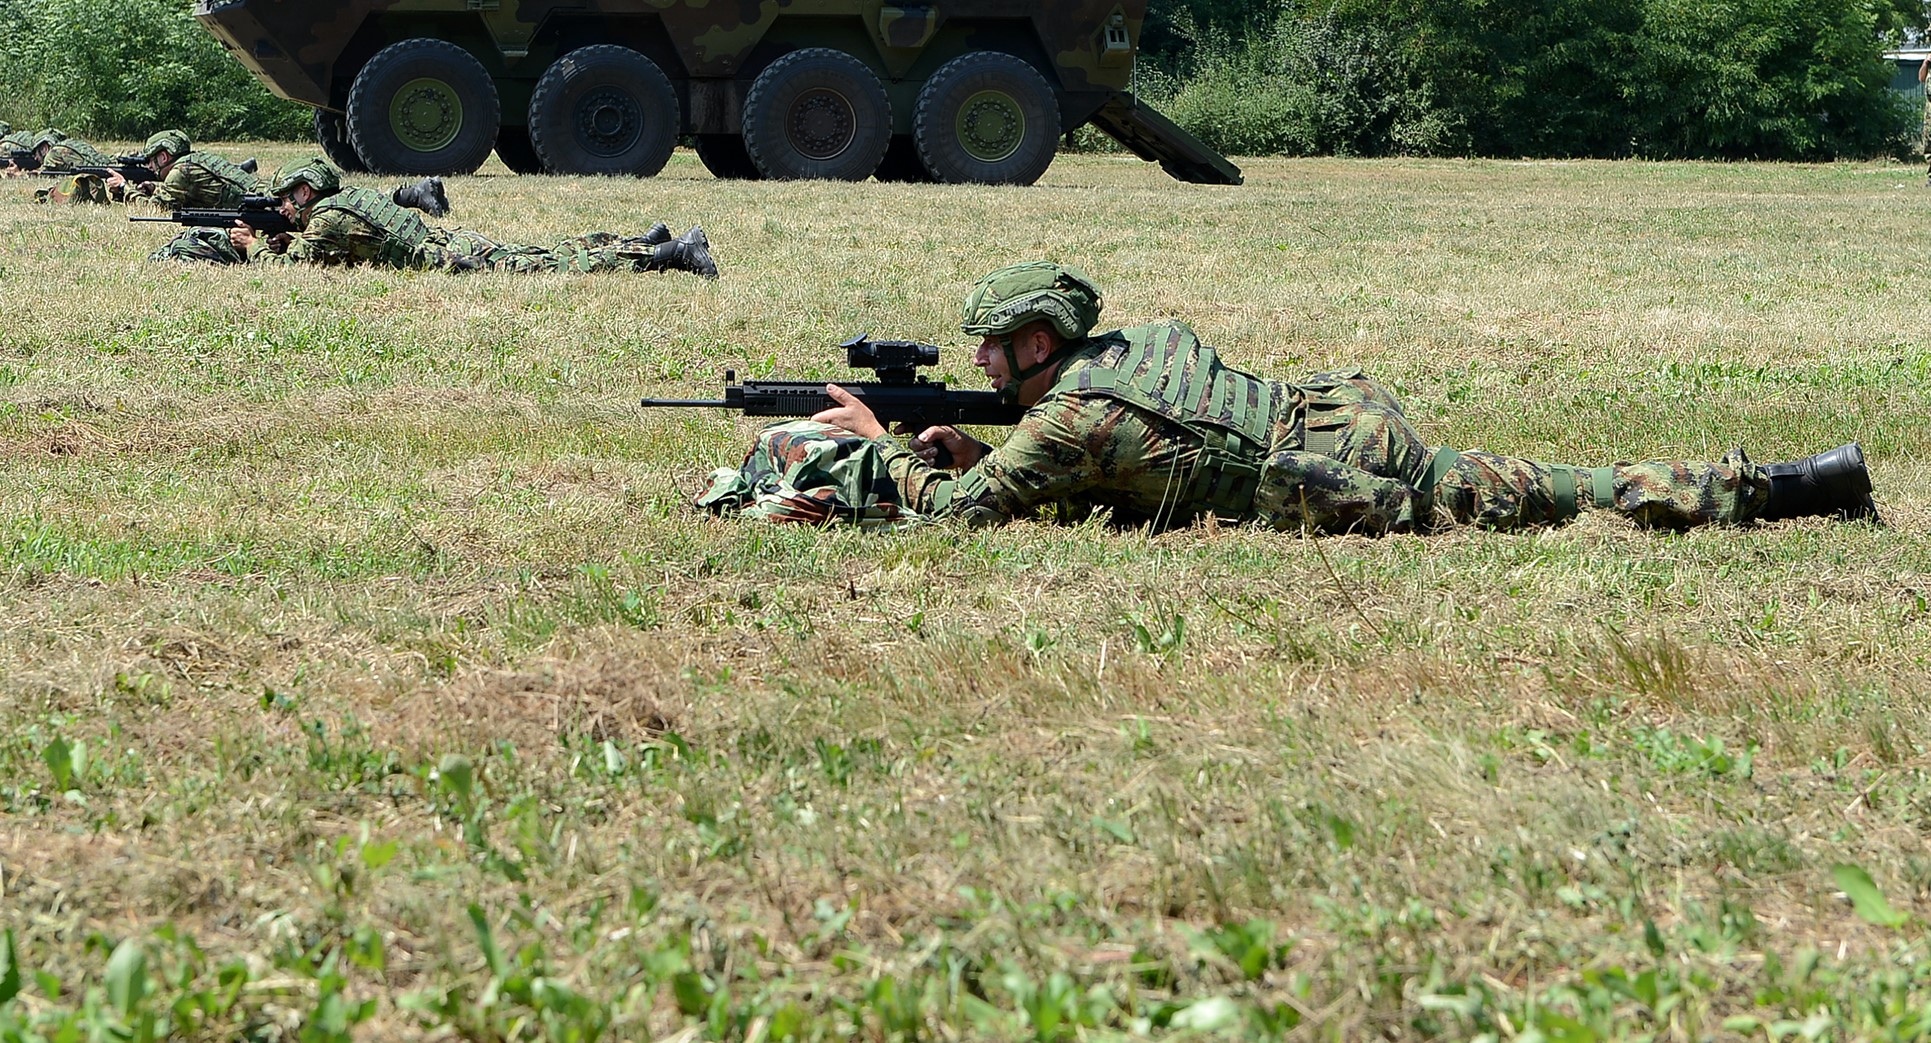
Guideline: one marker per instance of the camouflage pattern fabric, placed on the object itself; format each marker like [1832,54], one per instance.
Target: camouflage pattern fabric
[338,237]
[198,180]
[460,249]
[200,244]
[809,473]
[1081,451]
[80,188]
[73,152]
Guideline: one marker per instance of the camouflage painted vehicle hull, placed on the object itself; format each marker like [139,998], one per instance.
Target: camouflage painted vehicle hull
[963,91]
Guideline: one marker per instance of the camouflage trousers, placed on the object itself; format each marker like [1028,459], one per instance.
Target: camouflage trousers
[459,249]
[200,244]
[1360,466]
[811,473]
[80,188]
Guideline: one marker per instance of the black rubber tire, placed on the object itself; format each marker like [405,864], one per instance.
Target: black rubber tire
[987,118]
[817,113]
[902,162]
[513,148]
[450,114]
[604,109]
[724,156]
[333,137]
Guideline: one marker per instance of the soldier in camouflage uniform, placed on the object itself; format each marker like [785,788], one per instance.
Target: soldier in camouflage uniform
[350,226]
[189,179]
[37,143]
[64,153]
[1149,423]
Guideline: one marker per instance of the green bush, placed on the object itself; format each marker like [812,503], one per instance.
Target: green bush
[125,68]
[1717,79]
[1311,86]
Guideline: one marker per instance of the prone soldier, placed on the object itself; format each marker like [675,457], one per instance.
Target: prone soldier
[339,225]
[187,177]
[1150,423]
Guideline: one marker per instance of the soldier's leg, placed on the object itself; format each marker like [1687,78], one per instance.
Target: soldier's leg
[595,252]
[1360,466]
[1501,492]
[200,244]
[461,250]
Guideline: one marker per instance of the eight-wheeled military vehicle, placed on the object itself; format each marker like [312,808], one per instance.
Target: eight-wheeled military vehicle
[944,90]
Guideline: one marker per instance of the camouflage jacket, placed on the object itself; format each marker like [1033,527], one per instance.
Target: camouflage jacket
[354,226]
[202,180]
[74,152]
[1145,421]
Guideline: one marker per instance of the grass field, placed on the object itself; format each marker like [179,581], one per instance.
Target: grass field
[367,675]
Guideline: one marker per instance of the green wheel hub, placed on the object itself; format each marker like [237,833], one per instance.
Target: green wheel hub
[991,126]
[426,114]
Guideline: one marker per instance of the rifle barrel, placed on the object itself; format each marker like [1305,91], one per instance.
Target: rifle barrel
[707,402]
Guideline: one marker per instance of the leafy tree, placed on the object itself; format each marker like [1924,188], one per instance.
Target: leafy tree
[125,68]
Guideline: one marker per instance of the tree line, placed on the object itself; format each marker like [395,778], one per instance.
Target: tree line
[1720,79]
[1665,79]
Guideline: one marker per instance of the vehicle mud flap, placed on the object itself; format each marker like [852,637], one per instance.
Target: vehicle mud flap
[1151,136]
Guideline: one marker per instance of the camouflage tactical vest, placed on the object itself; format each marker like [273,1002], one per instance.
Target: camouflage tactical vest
[236,182]
[1164,369]
[403,232]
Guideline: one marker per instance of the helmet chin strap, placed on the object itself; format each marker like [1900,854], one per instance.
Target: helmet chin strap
[1020,374]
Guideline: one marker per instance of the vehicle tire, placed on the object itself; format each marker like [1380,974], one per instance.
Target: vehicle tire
[724,156]
[817,113]
[605,110]
[987,118]
[333,137]
[902,162]
[513,148]
[423,107]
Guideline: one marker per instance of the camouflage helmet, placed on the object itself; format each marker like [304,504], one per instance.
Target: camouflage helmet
[1017,294]
[316,172]
[173,141]
[50,136]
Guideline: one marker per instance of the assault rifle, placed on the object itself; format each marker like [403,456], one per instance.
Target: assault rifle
[261,213]
[131,168]
[898,396]
[23,158]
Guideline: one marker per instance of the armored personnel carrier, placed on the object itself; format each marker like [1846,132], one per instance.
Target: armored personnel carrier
[944,90]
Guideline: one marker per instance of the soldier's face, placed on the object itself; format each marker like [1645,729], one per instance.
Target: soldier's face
[991,358]
[1033,344]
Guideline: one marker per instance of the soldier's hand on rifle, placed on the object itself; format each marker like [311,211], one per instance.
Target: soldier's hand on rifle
[241,237]
[961,450]
[850,414]
[115,181]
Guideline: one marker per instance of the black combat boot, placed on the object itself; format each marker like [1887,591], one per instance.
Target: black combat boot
[690,252]
[251,164]
[659,233]
[426,195]
[1833,483]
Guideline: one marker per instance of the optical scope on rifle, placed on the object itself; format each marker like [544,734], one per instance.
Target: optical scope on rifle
[899,395]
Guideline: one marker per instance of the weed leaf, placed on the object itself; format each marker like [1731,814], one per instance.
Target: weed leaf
[1865,898]
[127,977]
[9,968]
